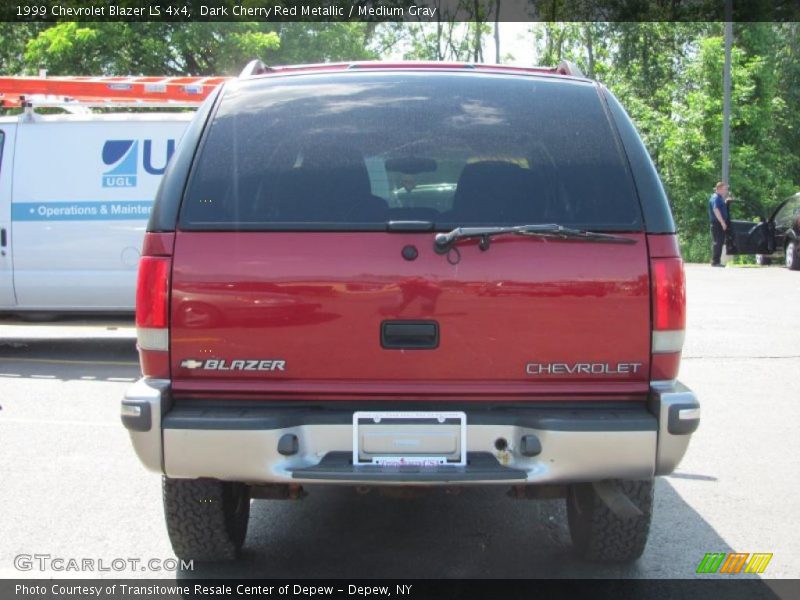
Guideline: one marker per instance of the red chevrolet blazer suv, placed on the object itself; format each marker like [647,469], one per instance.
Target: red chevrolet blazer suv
[410,274]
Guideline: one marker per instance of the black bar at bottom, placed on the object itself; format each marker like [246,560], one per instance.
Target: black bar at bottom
[481,466]
[188,587]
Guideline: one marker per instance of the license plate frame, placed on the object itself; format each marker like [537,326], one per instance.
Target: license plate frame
[409,418]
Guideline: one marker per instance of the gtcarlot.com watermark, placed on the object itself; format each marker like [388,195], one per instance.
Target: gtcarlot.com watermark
[48,562]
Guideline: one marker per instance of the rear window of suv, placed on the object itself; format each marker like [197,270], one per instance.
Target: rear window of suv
[352,151]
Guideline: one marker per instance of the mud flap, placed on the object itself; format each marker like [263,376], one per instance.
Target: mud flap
[616,500]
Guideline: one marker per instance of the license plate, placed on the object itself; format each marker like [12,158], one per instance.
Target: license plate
[420,439]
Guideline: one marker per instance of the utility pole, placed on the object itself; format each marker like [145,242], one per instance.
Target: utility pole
[497,32]
[726,86]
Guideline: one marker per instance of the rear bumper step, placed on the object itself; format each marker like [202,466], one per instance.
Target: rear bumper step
[338,466]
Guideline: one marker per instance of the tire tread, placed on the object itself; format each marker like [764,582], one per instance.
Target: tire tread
[600,535]
[197,524]
[792,256]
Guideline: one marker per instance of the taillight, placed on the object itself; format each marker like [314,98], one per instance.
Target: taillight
[669,316]
[152,292]
[152,310]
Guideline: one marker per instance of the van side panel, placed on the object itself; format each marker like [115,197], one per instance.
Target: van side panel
[83,192]
[7,135]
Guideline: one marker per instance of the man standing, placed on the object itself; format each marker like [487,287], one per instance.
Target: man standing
[718,216]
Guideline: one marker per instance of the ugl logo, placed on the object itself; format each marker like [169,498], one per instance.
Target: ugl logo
[733,563]
[123,158]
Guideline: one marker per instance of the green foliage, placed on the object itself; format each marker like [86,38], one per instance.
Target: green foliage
[13,37]
[213,48]
[321,42]
[669,77]
[762,169]
[443,41]
[119,48]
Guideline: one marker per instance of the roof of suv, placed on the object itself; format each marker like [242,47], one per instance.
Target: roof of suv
[257,69]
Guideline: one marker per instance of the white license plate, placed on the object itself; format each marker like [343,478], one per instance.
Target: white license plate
[422,439]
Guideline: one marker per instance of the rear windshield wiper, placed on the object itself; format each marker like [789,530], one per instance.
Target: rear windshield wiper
[444,241]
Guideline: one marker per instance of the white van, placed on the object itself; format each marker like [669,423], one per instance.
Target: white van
[75,194]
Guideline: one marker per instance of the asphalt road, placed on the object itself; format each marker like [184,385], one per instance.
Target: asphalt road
[71,487]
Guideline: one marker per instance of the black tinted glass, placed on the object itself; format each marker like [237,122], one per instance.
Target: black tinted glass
[355,150]
[789,214]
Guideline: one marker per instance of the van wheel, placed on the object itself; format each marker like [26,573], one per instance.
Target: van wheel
[206,519]
[38,317]
[598,534]
[792,259]
[762,260]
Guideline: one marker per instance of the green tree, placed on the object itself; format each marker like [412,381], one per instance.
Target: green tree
[13,38]
[322,42]
[669,77]
[184,49]
[119,48]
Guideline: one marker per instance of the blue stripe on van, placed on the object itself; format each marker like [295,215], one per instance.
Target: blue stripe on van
[66,210]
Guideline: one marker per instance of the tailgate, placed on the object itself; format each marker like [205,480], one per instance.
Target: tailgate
[301,313]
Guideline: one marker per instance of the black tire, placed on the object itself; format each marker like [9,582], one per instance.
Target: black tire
[600,535]
[206,519]
[763,260]
[38,317]
[792,256]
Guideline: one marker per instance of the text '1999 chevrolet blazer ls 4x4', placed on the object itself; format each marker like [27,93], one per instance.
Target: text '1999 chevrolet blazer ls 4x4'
[410,275]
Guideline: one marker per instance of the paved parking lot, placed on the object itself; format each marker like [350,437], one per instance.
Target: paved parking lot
[71,486]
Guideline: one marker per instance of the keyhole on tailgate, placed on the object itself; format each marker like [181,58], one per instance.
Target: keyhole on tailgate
[410,252]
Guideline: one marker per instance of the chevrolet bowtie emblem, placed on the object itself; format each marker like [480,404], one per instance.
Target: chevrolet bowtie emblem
[192,364]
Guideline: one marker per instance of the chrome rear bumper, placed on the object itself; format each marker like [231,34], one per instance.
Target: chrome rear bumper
[520,445]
